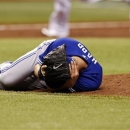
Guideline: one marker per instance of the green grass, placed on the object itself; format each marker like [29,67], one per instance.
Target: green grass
[63,112]
[38,111]
[39,11]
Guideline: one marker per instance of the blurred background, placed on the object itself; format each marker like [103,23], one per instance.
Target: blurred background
[26,18]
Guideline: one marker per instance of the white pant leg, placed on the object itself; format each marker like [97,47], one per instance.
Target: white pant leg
[60,16]
[23,66]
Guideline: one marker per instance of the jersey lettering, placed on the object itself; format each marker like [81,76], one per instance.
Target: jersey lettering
[84,50]
[94,60]
[89,55]
[82,47]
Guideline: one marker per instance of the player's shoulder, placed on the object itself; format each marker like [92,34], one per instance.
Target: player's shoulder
[66,40]
[69,42]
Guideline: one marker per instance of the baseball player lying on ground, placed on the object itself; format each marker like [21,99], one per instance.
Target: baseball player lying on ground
[62,64]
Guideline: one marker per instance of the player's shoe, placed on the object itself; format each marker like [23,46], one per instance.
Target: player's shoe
[53,33]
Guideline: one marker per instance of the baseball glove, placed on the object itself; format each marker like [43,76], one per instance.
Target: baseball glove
[57,71]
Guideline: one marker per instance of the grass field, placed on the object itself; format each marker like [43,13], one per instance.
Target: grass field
[38,111]
[58,111]
[39,12]
[29,111]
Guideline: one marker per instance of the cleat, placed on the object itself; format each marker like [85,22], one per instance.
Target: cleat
[53,33]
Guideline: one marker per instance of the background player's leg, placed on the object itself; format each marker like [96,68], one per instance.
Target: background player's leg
[59,19]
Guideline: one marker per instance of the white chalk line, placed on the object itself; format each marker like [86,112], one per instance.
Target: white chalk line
[83,25]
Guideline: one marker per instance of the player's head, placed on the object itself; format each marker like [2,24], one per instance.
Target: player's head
[58,83]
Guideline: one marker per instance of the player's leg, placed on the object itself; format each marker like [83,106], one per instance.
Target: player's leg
[60,16]
[21,68]
[2,65]
[58,23]
[31,83]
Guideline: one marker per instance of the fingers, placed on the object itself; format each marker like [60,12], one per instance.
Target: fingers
[73,69]
[43,69]
[74,72]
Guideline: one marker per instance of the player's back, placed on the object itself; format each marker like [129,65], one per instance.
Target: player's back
[74,48]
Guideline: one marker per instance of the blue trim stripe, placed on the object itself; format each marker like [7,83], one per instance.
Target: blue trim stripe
[39,61]
[21,59]
[18,61]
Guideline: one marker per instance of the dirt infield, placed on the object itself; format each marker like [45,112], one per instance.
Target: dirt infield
[112,84]
[92,29]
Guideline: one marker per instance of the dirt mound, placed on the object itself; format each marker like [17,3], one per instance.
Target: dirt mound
[113,85]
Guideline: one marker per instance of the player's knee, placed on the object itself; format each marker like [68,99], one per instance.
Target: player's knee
[7,83]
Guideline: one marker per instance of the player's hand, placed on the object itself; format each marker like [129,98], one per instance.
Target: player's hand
[37,67]
[74,72]
[43,69]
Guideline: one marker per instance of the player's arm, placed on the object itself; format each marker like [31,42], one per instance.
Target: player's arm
[77,65]
[74,72]
[38,68]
